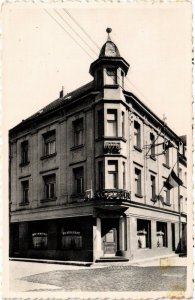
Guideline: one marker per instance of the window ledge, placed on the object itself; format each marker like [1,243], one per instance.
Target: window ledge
[166,166]
[137,148]
[153,200]
[23,203]
[23,164]
[48,156]
[111,86]
[153,157]
[138,195]
[78,195]
[48,199]
[167,204]
[77,147]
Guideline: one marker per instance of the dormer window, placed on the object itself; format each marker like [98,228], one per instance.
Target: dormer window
[111,77]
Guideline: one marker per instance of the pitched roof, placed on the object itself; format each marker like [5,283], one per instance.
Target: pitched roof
[60,101]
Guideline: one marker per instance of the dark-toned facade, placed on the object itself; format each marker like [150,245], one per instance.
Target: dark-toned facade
[88,174]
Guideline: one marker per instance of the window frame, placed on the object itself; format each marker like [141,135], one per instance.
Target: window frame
[50,186]
[137,135]
[25,192]
[78,132]
[114,173]
[49,148]
[138,181]
[112,123]
[153,186]
[78,181]
[113,75]
[24,152]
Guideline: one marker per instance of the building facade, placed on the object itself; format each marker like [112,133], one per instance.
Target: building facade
[88,175]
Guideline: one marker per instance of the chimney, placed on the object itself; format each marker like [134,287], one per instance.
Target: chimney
[62,92]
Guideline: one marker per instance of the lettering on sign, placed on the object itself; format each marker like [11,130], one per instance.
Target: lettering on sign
[112,147]
[71,233]
[113,195]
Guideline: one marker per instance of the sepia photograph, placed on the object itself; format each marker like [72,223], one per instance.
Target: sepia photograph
[97,126]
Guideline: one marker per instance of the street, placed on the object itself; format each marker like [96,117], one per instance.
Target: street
[31,277]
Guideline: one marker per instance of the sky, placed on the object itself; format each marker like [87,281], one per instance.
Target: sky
[39,56]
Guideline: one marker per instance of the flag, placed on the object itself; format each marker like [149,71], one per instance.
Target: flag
[172,181]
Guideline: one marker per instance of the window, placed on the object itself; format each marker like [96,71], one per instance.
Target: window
[78,132]
[143,234]
[71,240]
[181,204]
[99,79]
[111,122]
[185,179]
[100,176]
[138,187]
[50,186]
[161,233]
[166,196]
[111,76]
[153,187]
[167,157]
[49,143]
[152,145]
[180,173]
[112,174]
[78,180]
[100,123]
[38,234]
[24,152]
[124,176]
[25,192]
[122,77]
[123,123]
[137,135]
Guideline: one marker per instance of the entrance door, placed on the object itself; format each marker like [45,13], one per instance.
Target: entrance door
[173,235]
[110,242]
[109,236]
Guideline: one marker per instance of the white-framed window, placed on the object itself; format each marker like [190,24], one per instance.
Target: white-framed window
[137,135]
[112,174]
[78,174]
[112,122]
[138,181]
[78,132]
[50,186]
[49,143]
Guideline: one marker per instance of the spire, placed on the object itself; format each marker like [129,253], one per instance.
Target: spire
[108,30]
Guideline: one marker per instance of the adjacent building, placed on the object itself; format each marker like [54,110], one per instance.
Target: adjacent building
[89,174]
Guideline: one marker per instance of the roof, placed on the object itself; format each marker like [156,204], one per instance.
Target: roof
[109,49]
[59,102]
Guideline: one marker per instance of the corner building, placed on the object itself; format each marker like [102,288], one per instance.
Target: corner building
[87,175]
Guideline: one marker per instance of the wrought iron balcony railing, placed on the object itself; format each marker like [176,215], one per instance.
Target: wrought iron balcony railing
[113,194]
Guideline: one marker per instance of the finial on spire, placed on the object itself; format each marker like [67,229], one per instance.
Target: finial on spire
[108,30]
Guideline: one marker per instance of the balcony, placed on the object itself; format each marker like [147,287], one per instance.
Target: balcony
[116,195]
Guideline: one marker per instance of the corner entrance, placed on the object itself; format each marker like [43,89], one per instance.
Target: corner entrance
[110,236]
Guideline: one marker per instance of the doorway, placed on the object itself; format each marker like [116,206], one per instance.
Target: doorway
[110,236]
[173,235]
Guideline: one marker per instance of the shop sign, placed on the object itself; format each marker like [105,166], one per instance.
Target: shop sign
[71,233]
[113,195]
